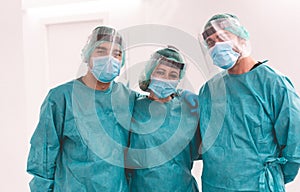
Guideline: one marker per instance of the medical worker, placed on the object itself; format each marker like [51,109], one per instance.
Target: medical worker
[164,140]
[79,142]
[249,116]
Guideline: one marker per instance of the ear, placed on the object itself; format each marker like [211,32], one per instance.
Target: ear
[89,62]
[238,44]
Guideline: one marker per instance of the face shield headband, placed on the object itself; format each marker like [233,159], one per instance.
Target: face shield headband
[110,38]
[165,61]
[221,24]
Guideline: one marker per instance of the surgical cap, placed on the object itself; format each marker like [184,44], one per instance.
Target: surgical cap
[99,35]
[225,22]
[168,56]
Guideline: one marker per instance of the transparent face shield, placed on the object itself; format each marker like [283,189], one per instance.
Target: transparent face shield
[161,68]
[167,70]
[227,30]
[104,54]
[106,61]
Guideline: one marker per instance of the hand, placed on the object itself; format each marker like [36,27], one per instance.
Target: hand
[192,101]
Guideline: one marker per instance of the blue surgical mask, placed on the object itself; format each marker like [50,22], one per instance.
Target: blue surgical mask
[223,55]
[163,88]
[105,68]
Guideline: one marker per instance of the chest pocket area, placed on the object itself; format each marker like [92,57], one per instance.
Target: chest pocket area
[262,134]
[253,126]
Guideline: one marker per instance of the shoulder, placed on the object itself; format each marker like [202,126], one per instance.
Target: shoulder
[267,70]
[61,91]
[216,82]
[274,76]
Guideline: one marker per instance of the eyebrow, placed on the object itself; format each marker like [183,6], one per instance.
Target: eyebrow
[218,34]
[160,69]
[174,72]
[117,51]
[101,48]
[105,49]
[209,39]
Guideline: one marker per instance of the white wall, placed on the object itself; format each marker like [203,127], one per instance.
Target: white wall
[272,26]
[12,101]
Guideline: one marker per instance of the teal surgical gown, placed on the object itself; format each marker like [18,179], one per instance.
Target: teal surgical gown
[163,144]
[79,142]
[250,127]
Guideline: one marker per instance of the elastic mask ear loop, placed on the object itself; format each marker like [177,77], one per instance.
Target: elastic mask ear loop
[90,62]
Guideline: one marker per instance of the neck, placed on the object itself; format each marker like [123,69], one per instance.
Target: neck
[90,81]
[153,97]
[243,65]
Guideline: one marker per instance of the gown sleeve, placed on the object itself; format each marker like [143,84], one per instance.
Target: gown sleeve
[45,146]
[195,149]
[286,104]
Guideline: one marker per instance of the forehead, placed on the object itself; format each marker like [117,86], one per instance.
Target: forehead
[166,68]
[223,34]
[109,45]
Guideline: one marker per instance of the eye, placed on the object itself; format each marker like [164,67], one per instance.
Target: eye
[173,76]
[117,54]
[160,72]
[101,52]
[220,38]
[210,43]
